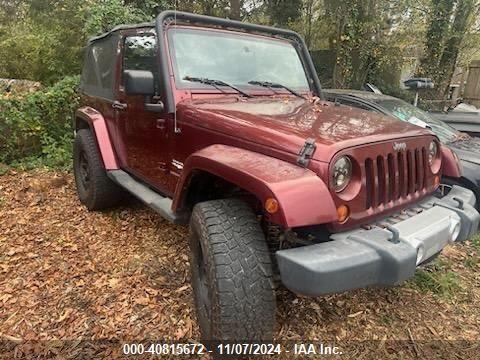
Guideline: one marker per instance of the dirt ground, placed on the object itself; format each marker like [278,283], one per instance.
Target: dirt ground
[68,274]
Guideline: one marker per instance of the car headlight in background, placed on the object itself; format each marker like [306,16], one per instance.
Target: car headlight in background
[432,152]
[341,173]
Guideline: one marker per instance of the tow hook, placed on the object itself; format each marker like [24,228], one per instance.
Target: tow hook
[460,202]
[396,234]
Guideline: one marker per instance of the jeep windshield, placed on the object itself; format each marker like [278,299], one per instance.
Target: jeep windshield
[236,59]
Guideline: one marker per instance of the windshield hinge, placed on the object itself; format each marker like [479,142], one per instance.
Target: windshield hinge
[306,152]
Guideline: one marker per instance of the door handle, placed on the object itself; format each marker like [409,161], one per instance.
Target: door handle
[117,105]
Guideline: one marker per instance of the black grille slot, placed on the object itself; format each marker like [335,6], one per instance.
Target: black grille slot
[401,175]
[381,181]
[369,182]
[424,166]
[392,178]
[419,170]
[410,182]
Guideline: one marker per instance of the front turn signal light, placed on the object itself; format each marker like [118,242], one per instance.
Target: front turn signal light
[271,205]
[343,213]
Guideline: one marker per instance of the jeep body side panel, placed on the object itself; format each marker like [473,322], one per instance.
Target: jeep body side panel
[303,197]
[98,126]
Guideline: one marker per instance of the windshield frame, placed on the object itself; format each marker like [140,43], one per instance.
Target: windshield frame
[253,89]
[168,17]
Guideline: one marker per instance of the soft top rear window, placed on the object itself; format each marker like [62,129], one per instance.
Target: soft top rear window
[99,67]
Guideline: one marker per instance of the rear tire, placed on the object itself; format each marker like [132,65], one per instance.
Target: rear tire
[95,190]
[231,272]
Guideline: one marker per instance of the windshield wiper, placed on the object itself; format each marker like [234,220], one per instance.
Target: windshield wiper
[216,84]
[272,86]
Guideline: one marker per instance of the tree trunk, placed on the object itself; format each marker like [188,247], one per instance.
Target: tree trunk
[437,32]
[448,60]
[235,9]
[309,16]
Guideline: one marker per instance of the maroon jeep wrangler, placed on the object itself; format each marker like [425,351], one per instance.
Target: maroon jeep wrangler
[223,125]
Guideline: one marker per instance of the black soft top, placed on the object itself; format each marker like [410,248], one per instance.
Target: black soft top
[122,27]
[169,17]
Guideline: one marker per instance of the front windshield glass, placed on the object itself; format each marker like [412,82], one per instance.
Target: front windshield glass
[407,112]
[234,58]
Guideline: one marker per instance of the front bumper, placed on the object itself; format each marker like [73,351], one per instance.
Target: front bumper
[385,253]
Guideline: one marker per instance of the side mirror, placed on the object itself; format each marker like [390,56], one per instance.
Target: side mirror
[419,83]
[139,82]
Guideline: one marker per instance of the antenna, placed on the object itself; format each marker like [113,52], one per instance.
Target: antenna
[177,130]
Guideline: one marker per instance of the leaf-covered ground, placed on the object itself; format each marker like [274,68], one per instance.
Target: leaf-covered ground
[69,274]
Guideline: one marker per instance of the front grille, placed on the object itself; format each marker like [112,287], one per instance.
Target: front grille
[394,176]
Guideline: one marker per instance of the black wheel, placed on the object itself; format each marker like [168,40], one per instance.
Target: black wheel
[231,272]
[95,190]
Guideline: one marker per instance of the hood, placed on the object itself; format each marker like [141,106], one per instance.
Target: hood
[285,123]
[467,150]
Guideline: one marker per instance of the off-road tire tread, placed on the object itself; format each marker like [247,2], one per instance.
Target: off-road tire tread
[104,192]
[239,270]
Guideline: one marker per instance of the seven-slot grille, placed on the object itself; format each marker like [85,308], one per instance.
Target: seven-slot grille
[394,176]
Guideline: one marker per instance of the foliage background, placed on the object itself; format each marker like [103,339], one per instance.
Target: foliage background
[352,42]
[37,126]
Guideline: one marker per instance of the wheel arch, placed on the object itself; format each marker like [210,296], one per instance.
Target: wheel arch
[202,185]
[450,166]
[302,196]
[89,118]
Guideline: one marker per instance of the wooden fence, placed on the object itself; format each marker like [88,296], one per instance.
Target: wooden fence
[472,87]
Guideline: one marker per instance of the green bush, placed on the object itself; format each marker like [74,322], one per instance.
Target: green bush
[37,128]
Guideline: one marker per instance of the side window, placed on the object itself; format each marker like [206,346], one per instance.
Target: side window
[89,74]
[99,68]
[139,53]
[104,54]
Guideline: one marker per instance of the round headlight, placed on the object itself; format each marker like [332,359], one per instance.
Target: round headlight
[432,152]
[341,173]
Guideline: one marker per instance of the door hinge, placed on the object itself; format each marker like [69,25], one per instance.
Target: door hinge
[306,152]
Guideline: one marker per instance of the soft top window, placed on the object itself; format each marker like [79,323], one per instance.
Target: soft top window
[99,68]
[139,53]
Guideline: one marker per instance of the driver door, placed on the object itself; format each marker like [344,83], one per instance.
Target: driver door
[143,133]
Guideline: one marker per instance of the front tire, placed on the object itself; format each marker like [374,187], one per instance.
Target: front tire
[231,272]
[95,190]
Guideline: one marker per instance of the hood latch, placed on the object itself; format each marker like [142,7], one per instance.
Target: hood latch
[306,152]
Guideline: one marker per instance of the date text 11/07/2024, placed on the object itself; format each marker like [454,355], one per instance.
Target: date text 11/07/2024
[230,349]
